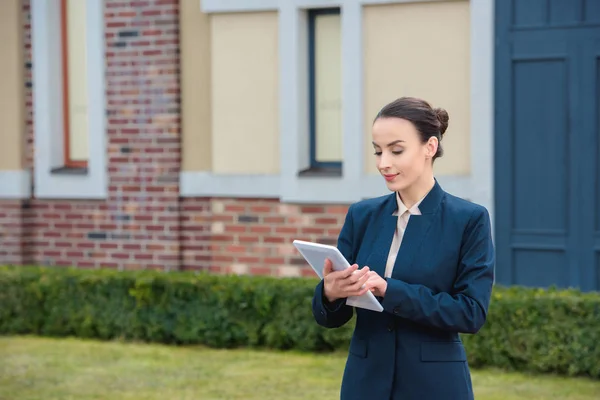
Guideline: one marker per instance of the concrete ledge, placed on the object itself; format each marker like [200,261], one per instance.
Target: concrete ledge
[206,184]
[219,6]
[15,184]
[309,190]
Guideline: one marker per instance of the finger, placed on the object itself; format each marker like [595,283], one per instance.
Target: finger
[354,278]
[348,271]
[327,267]
[358,274]
[360,292]
[360,283]
[373,274]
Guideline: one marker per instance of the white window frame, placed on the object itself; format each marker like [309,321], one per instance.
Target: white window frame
[355,184]
[47,105]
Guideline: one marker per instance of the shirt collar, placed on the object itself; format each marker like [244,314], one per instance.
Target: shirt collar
[414,210]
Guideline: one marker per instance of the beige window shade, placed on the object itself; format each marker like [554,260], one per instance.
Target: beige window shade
[76,80]
[244,93]
[328,88]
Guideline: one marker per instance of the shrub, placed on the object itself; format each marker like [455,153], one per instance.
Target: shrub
[538,330]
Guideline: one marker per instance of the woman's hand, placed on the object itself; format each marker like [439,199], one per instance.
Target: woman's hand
[346,283]
[376,284]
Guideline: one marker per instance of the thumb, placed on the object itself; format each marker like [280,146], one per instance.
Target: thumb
[328,267]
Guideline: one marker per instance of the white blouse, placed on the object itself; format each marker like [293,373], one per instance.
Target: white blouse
[403,214]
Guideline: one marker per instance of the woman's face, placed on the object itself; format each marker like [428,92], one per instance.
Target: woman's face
[400,156]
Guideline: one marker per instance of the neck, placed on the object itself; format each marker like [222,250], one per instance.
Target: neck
[415,192]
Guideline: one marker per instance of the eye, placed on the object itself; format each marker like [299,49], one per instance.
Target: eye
[377,153]
[397,152]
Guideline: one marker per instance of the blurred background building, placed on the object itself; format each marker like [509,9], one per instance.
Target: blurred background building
[207,135]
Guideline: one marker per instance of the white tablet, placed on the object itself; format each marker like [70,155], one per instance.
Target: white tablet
[316,254]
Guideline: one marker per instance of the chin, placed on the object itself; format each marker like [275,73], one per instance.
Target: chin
[396,185]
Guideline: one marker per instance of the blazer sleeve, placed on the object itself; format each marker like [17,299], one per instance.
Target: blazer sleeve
[337,313]
[465,309]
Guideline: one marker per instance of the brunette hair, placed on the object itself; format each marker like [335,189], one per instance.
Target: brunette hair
[427,120]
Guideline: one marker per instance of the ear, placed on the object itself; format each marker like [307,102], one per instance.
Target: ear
[431,147]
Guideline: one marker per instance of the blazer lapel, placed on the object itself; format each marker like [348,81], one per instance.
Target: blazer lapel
[415,232]
[417,228]
[385,234]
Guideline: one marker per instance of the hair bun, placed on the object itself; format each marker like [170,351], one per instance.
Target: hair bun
[442,116]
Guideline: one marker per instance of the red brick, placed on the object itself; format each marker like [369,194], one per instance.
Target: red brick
[235,228]
[52,234]
[249,259]
[248,239]
[261,209]
[116,25]
[222,238]
[326,221]
[260,271]
[120,256]
[274,220]
[274,260]
[307,273]
[312,210]
[286,229]
[273,239]
[235,249]
[260,229]
[239,208]
[336,209]
[311,230]
[223,218]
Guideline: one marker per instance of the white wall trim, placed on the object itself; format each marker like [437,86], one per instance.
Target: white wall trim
[221,6]
[15,184]
[206,184]
[482,102]
[331,190]
[378,2]
[47,104]
[477,187]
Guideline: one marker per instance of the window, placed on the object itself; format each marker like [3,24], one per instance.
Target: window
[69,101]
[325,89]
[74,83]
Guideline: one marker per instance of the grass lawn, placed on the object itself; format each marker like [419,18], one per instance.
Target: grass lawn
[39,368]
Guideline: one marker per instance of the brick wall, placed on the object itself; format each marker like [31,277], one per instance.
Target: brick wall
[254,236]
[144,223]
[12,232]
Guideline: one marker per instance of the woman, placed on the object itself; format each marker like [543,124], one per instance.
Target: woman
[429,258]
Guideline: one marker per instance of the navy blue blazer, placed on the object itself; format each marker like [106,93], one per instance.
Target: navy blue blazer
[440,286]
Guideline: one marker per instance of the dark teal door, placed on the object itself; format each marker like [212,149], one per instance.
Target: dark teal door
[547,147]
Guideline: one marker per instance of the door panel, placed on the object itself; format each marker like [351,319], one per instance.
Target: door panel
[590,165]
[547,172]
[540,146]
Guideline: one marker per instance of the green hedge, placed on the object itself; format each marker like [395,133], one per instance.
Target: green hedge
[527,329]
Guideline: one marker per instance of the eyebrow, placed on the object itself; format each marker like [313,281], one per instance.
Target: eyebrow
[389,144]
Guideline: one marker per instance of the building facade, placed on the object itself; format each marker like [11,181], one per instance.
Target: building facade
[207,135]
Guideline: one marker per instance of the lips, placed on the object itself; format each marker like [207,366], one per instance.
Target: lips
[390,177]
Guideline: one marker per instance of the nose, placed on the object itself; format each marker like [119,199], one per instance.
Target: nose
[384,161]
